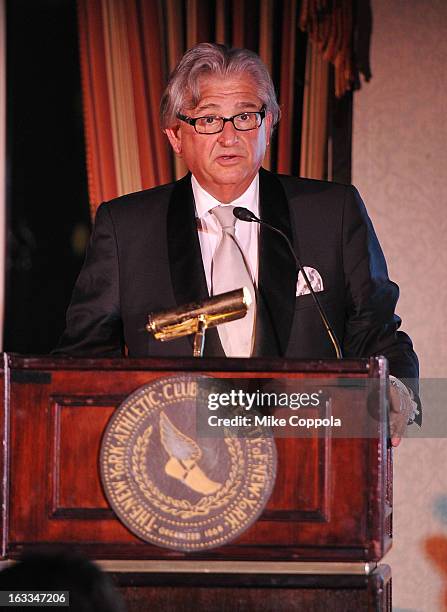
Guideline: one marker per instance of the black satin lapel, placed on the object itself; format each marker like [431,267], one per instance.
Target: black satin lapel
[277,276]
[185,257]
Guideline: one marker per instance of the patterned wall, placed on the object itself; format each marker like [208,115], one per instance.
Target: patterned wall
[400,167]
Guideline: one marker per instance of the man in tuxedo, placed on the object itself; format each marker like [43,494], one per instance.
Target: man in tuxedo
[173,244]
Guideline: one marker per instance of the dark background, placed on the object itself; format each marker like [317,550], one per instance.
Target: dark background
[47,202]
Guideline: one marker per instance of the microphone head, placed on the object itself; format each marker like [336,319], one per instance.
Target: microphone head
[243,214]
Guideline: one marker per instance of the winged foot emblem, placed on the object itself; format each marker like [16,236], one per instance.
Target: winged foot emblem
[184,456]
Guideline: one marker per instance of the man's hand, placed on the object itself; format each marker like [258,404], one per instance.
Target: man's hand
[401,409]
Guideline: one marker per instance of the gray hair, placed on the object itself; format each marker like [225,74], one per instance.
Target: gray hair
[182,91]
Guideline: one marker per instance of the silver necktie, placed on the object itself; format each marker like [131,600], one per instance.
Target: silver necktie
[229,271]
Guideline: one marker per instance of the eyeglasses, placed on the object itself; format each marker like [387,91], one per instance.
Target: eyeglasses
[213,124]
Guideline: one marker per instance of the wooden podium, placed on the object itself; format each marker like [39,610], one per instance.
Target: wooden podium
[315,547]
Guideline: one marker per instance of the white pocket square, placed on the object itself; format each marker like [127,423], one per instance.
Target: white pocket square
[315,280]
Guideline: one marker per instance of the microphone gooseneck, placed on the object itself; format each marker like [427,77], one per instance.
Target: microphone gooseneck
[243,214]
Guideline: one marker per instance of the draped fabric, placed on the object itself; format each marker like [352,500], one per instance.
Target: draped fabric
[329,24]
[123,68]
[129,47]
[313,159]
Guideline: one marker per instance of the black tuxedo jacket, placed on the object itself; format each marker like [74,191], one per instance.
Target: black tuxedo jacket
[145,256]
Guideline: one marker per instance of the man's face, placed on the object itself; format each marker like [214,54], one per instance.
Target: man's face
[225,163]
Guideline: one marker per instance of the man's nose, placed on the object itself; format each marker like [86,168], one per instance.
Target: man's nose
[228,136]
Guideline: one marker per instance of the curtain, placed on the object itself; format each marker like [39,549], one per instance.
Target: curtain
[123,71]
[129,47]
[313,159]
[330,24]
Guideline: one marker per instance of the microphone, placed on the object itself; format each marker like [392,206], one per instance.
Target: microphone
[243,214]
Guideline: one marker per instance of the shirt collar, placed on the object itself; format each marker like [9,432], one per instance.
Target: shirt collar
[205,202]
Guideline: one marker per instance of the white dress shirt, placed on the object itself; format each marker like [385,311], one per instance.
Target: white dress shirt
[210,232]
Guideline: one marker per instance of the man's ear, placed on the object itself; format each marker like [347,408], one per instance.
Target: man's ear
[174,136]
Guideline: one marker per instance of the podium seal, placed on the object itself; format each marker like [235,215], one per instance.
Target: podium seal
[177,490]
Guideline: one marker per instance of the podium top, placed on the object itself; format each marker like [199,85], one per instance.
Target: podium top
[373,367]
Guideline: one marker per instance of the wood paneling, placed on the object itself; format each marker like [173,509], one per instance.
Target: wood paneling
[4,460]
[75,427]
[329,500]
[263,593]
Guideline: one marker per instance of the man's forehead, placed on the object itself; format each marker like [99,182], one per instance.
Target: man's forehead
[239,91]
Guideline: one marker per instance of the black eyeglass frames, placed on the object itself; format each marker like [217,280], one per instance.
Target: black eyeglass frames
[213,124]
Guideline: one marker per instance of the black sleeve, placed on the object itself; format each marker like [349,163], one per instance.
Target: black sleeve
[372,327]
[93,325]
